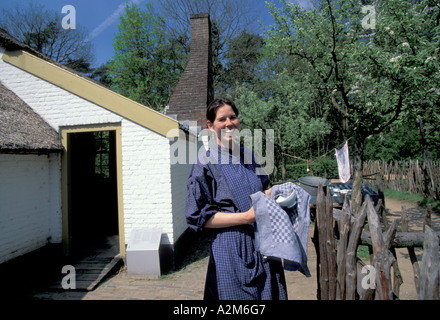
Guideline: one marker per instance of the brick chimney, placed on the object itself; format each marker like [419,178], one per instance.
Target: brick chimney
[195,89]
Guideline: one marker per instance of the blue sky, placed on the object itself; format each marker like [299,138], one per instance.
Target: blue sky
[101,18]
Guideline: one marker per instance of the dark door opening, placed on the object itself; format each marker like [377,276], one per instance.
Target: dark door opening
[93,187]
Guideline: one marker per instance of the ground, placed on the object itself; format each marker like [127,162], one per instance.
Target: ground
[187,282]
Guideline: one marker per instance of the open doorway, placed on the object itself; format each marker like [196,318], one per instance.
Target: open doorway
[93,190]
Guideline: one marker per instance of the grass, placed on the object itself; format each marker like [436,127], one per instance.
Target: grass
[403,196]
[363,253]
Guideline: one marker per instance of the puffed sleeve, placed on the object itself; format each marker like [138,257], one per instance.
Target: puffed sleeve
[200,205]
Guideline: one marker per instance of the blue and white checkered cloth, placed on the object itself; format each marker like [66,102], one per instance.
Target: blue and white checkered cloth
[283,232]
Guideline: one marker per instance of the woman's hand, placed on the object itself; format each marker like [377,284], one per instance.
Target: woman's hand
[268,192]
[250,215]
[227,219]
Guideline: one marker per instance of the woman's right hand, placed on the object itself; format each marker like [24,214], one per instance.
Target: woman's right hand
[227,219]
[251,215]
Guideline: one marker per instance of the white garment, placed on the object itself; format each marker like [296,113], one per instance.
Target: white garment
[343,163]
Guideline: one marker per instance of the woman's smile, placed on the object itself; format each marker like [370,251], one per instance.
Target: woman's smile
[225,125]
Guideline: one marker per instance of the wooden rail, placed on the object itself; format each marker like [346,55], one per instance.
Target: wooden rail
[414,239]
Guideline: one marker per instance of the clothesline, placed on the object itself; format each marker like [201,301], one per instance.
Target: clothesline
[310,160]
[285,154]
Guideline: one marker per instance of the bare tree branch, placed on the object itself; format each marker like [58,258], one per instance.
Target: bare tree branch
[41,29]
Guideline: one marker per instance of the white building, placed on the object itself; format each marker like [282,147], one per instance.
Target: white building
[78,188]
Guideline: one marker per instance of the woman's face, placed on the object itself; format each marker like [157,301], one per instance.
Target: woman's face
[225,125]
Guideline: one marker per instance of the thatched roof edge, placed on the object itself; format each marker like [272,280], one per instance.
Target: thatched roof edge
[21,128]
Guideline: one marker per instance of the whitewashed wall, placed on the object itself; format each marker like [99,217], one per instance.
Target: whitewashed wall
[30,206]
[182,152]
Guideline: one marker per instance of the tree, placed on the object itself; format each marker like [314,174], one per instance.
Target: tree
[288,112]
[368,75]
[411,32]
[230,16]
[101,74]
[228,19]
[241,63]
[398,142]
[41,30]
[146,65]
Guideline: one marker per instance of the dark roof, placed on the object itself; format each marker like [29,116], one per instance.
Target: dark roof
[22,129]
[10,43]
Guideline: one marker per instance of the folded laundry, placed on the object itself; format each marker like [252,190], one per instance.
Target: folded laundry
[282,231]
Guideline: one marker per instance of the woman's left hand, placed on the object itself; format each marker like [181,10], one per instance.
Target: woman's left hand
[267,192]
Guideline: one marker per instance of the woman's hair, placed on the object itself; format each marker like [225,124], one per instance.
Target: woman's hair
[211,112]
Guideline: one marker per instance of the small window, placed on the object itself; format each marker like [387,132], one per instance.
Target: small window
[102,164]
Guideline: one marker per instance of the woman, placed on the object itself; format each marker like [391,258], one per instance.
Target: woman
[219,187]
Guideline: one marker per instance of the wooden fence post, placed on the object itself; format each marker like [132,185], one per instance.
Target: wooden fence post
[327,249]
[325,246]
[315,240]
[350,266]
[429,271]
[331,247]
[383,258]
[341,254]
[427,220]
[381,191]
[321,227]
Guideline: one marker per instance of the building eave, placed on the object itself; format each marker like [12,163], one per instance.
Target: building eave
[93,92]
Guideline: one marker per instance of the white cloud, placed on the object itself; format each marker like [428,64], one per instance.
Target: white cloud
[110,20]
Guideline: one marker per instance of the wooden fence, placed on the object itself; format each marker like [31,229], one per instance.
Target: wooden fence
[341,275]
[405,176]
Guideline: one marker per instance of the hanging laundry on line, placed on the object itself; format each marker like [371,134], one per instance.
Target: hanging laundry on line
[343,163]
